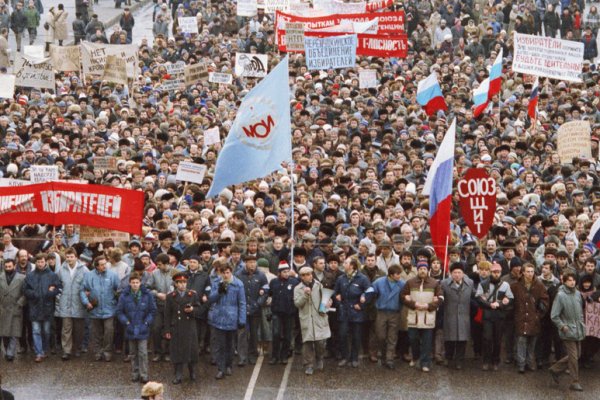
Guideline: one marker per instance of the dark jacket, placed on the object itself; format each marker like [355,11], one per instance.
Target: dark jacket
[39,297]
[127,23]
[530,306]
[199,282]
[182,326]
[282,294]
[136,314]
[18,21]
[351,290]
[253,285]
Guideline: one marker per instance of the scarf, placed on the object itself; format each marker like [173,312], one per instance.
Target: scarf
[136,295]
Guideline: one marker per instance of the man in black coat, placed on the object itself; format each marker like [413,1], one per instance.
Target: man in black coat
[18,23]
[181,311]
[281,291]
[199,282]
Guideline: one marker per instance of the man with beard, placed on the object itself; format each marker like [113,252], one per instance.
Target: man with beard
[494,297]
[509,321]
[12,300]
[408,271]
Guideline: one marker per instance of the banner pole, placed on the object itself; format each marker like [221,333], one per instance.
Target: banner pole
[292,230]
[446,267]
[183,194]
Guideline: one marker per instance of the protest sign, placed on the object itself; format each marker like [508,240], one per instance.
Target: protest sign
[34,73]
[175,70]
[330,52]
[115,70]
[592,319]
[300,8]
[294,36]
[107,163]
[271,6]
[339,7]
[379,4]
[34,51]
[251,65]
[7,86]
[10,182]
[93,57]
[195,73]
[367,78]
[65,58]
[58,203]
[43,173]
[218,77]
[190,172]
[477,200]
[327,295]
[211,136]
[188,24]
[246,8]
[574,141]
[90,234]
[170,85]
[545,56]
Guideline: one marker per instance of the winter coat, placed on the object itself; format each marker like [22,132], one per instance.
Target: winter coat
[421,291]
[4,61]
[127,23]
[487,293]
[68,304]
[227,310]
[590,48]
[388,294]
[351,290]
[39,296]
[457,308]
[161,282]
[372,276]
[59,25]
[182,326]
[282,294]
[567,310]
[136,314]
[314,325]
[200,283]
[102,288]
[253,285]
[530,307]
[78,28]
[33,17]
[12,300]
[18,21]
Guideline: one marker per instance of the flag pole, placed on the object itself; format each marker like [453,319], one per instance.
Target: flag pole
[446,267]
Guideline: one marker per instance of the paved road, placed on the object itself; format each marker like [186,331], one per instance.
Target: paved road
[86,379]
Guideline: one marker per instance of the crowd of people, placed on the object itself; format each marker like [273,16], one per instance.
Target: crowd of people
[355,273]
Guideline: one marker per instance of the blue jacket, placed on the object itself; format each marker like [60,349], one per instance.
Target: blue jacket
[227,310]
[388,294]
[351,290]
[39,297]
[103,292]
[136,315]
[282,293]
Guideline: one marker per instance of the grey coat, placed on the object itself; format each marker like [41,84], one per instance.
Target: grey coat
[68,304]
[12,300]
[314,324]
[457,306]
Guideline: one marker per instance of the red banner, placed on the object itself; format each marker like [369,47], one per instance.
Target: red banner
[58,203]
[477,200]
[368,44]
[390,22]
[379,4]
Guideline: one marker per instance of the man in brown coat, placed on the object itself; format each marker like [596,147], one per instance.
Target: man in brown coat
[531,303]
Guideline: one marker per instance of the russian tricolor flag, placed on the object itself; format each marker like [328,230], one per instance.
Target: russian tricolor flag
[533,100]
[480,97]
[496,76]
[439,188]
[594,235]
[429,95]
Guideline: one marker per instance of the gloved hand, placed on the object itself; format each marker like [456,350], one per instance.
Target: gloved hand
[222,288]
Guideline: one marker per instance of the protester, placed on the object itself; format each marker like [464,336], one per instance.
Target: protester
[12,300]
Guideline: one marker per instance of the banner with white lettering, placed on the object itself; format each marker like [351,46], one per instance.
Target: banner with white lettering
[574,141]
[43,173]
[90,234]
[58,203]
[367,78]
[330,52]
[545,56]
[30,72]
[251,65]
[93,57]
[188,24]
[115,70]
[65,58]
[195,73]
[219,77]
[246,8]
[7,86]
[190,172]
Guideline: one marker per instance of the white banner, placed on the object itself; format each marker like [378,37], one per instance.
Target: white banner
[43,173]
[330,52]
[65,58]
[34,51]
[276,5]
[294,36]
[246,8]
[544,56]
[34,73]
[218,77]
[7,86]
[188,24]
[367,78]
[339,7]
[93,57]
[9,182]
[574,141]
[251,65]
[190,172]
